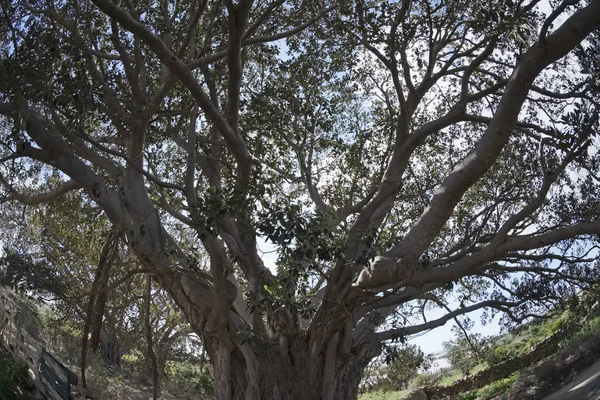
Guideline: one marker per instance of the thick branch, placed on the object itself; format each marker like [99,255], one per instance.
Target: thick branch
[56,153]
[260,39]
[182,71]
[487,150]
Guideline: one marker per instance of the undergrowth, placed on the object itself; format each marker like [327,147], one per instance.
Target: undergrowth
[13,378]
[492,390]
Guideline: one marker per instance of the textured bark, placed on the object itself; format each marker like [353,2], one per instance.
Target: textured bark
[297,377]
[286,365]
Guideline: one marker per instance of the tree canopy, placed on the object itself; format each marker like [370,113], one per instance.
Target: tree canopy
[397,155]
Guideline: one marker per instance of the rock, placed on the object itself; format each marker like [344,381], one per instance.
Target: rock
[418,394]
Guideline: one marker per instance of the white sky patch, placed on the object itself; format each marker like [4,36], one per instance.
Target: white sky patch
[268,253]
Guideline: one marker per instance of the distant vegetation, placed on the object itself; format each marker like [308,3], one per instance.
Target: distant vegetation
[185,375]
[579,317]
[491,390]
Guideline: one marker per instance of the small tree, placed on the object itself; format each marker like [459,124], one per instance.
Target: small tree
[400,365]
[466,352]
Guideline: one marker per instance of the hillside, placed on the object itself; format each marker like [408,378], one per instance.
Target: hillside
[184,379]
[530,362]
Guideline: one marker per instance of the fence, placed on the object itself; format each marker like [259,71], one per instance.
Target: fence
[51,378]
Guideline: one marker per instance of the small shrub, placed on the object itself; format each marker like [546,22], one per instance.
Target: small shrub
[13,378]
[496,388]
[589,329]
[190,375]
[401,365]
[468,396]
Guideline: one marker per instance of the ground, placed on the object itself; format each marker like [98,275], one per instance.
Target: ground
[585,387]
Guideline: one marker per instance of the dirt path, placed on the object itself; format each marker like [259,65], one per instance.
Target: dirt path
[585,387]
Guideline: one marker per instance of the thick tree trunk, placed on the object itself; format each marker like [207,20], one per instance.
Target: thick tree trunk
[287,363]
[294,376]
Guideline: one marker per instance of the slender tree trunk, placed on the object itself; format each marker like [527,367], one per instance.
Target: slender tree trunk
[148,332]
[97,301]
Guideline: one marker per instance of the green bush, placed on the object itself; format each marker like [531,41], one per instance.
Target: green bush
[496,388]
[468,396]
[401,365]
[523,339]
[588,330]
[190,375]
[465,353]
[13,378]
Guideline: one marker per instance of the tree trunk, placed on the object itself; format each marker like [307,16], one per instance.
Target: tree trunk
[151,355]
[295,376]
[286,363]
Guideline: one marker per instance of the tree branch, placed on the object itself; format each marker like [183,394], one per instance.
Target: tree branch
[487,150]
[182,71]
[56,153]
[40,197]
[411,330]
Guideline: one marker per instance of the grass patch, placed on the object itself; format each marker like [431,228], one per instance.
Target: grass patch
[525,338]
[450,377]
[492,390]
[381,395]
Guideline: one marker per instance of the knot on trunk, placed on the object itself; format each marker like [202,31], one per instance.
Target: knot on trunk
[383,273]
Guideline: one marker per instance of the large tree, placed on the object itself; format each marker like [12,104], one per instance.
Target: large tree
[398,155]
